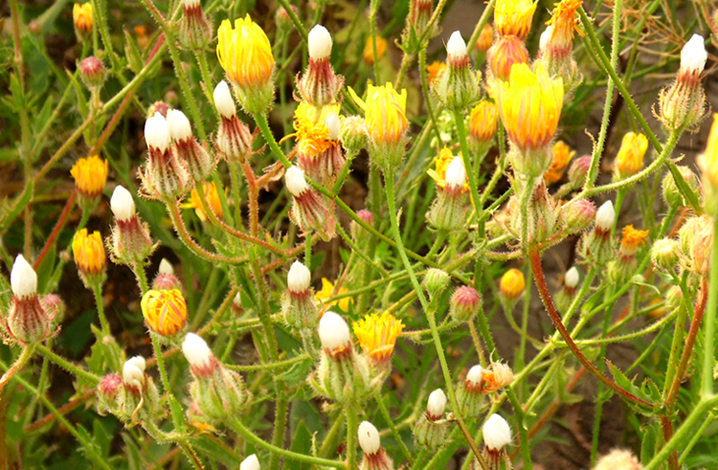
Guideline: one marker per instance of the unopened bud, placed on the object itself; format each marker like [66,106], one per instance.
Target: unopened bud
[456,173]
[664,254]
[157,133]
[250,463]
[196,351]
[456,47]
[605,216]
[436,404]
[223,100]
[93,72]
[512,284]
[618,460]
[671,193]
[571,278]
[122,204]
[435,281]
[179,126]
[497,432]
[694,55]
[298,277]
[333,332]
[353,133]
[465,303]
[333,126]
[295,181]
[369,440]
[320,43]
[23,278]
[578,215]
[133,373]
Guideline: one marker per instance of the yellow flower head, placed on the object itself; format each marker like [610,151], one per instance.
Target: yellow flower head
[442,164]
[385,114]
[486,38]
[513,17]
[377,334]
[708,162]
[89,252]
[530,106]
[165,311]
[311,133]
[483,122]
[562,155]
[563,20]
[212,195]
[327,292]
[434,70]
[82,17]
[631,240]
[368,53]
[512,283]
[245,53]
[629,160]
[90,175]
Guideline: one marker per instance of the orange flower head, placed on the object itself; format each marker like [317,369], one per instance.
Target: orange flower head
[90,175]
[629,160]
[483,121]
[82,17]
[327,292]
[368,53]
[442,164]
[708,162]
[311,131]
[377,334]
[632,239]
[212,195]
[165,311]
[486,38]
[512,283]
[89,253]
[562,155]
[563,20]
[434,70]
[385,114]
[513,17]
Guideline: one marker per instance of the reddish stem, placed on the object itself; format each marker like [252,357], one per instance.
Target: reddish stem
[667,426]
[71,405]
[56,230]
[253,198]
[535,258]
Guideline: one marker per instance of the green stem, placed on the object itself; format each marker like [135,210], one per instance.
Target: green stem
[392,427]
[352,430]
[263,124]
[67,365]
[373,10]
[97,290]
[141,276]
[17,366]
[427,94]
[525,441]
[710,320]
[160,362]
[468,164]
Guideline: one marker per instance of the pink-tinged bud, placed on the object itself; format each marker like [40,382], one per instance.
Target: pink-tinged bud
[54,306]
[130,240]
[27,321]
[366,216]
[110,394]
[234,140]
[578,215]
[200,357]
[309,210]
[506,52]
[283,20]
[357,231]
[486,38]
[194,30]
[578,171]
[319,85]
[197,160]
[465,303]
[166,279]
[93,72]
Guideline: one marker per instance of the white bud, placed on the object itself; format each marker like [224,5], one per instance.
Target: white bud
[196,351]
[223,100]
[295,181]
[456,47]
[545,38]
[190,3]
[157,132]
[475,375]
[369,438]
[250,463]
[605,216]
[298,277]
[320,43]
[572,277]
[237,300]
[23,278]
[166,267]
[133,372]
[694,55]
[180,128]
[497,433]
[437,403]
[122,204]
[456,173]
[333,126]
[333,331]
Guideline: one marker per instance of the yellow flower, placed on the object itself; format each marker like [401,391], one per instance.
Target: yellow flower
[377,334]
[368,54]
[708,163]
[434,70]
[530,106]
[82,17]
[165,311]
[631,239]
[483,121]
[442,164]
[245,53]
[311,133]
[513,17]
[90,175]
[327,292]
[89,252]
[212,195]
[385,114]
[562,155]
[512,283]
[486,38]
[629,160]
[563,20]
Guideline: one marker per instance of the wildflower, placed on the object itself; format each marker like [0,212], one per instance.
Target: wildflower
[299,306]
[596,245]
[246,57]
[320,156]
[631,240]
[89,253]
[386,123]
[377,334]
[420,12]
[434,71]
[458,86]
[353,134]
[374,457]
[555,43]
[92,72]
[561,156]
[447,211]
[465,303]
[198,162]
[141,396]
[563,20]
[319,86]
[83,20]
[213,201]
[312,133]
[512,284]
[165,311]
[513,17]
[530,106]
[309,211]
[486,38]
[328,292]
[143,37]
[708,164]
[497,435]
[431,428]
[664,254]
[683,102]
[504,53]
[577,215]
[130,240]
[27,321]
[233,140]
[368,53]
[483,122]
[164,177]
[443,161]
[470,394]
[90,176]
[250,463]
[194,32]
[629,160]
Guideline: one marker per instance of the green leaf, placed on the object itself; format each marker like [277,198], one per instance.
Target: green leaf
[177,414]
[649,441]
[214,448]
[628,385]
[301,444]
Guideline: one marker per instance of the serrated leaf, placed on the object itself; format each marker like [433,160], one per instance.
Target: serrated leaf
[649,439]
[177,414]
[297,374]
[628,385]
